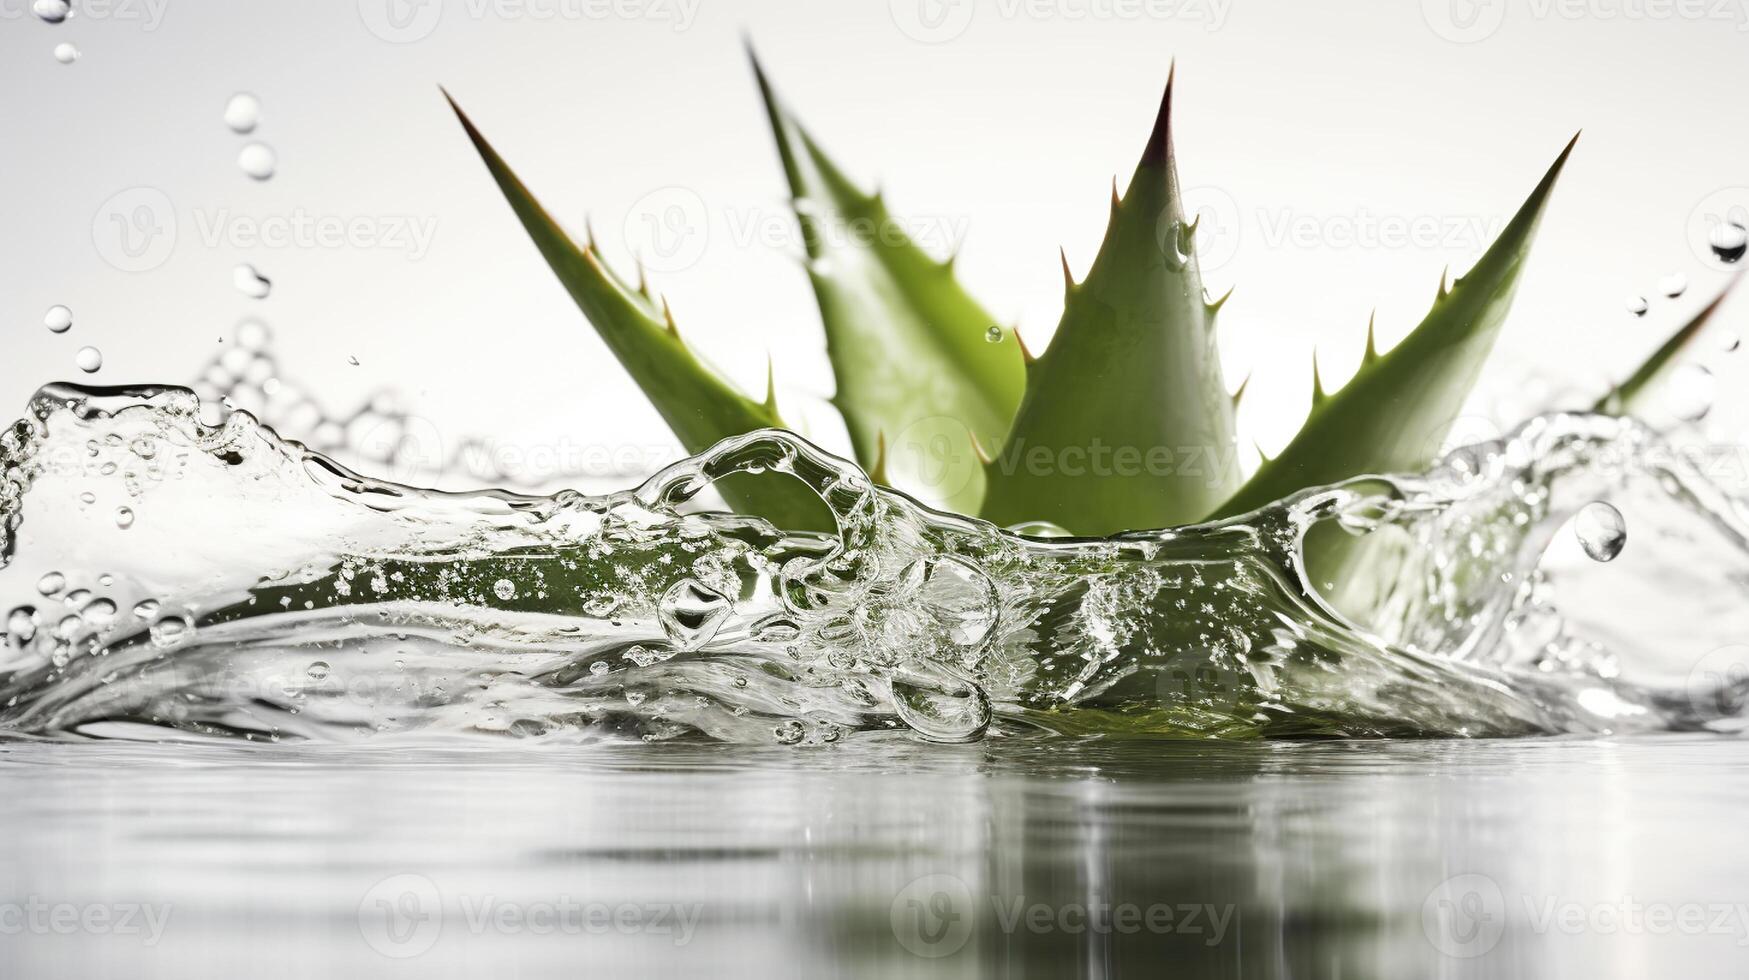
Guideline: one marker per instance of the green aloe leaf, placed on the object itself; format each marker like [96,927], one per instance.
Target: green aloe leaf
[911,351]
[698,405]
[1126,422]
[1630,395]
[1394,414]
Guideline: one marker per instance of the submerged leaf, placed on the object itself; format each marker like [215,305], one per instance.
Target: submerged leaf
[697,404]
[1126,422]
[912,352]
[1393,416]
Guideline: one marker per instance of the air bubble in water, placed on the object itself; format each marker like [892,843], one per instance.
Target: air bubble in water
[242,113]
[691,613]
[21,624]
[599,668]
[959,598]
[257,160]
[124,517]
[1601,530]
[1638,306]
[52,11]
[66,53]
[170,631]
[58,319]
[1673,285]
[952,712]
[98,611]
[146,608]
[51,584]
[1729,240]
[317,670]
[89,360]
[504,589]
[993,335]
[250,282]
[600,606]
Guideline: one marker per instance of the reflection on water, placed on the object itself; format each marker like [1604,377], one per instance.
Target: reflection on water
[878,857]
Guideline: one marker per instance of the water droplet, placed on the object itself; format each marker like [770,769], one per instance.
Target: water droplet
[124,517]
[170,631]
[58,319]
[257,160]
[600,606]
[954,711]
[691,613]
[98,611]
[790,732]
[994,335]
[51,584]
[89,360]
[52,11]
[352,359]
[1729,241]
[1729,342]
[776,629]
[243,113]
[66,53]
[1673,285]
[250,282]
[599,667]
[1601,530]
[21,624]
[68,627]
[1638,306]
[959,598]
[317,670]
[146,608]
[504,589]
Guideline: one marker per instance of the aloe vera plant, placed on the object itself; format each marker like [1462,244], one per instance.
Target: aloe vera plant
[1132,370]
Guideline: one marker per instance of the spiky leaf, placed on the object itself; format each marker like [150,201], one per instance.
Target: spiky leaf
[1394,414]
[1630,395]
[1126,422]
[908,346]
[697,404]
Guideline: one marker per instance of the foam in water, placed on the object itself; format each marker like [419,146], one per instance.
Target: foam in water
[273,594]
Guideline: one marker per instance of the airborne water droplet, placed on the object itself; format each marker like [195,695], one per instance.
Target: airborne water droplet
[504,589]
[250,282]
[58,319]
[1729,241]
[242,113]
[691,613]
[66,53]
[993,335]
[1638,306]
[52,11]
[257,160]
[1601,530]
[89,360]
[1673,285]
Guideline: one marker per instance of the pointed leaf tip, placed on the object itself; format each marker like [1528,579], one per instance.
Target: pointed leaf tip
[1159,149]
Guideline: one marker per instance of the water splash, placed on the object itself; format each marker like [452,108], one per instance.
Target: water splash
[275,594]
